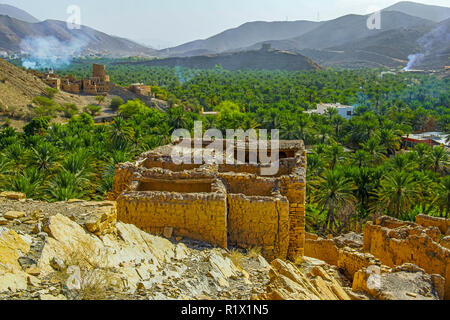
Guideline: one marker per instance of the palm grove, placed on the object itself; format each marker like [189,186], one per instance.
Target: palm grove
[356,168]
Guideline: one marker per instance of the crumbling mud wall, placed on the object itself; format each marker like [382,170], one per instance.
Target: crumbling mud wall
[248,184]
[199,216]
[122,180]
[322,249]
[408,244]
[255,221]
[428,221]
[347,259]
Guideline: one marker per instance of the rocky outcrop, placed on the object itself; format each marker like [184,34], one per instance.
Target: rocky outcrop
[287,282]
[406,282]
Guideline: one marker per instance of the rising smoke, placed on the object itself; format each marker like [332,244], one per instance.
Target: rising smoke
[49,52]
[433,40]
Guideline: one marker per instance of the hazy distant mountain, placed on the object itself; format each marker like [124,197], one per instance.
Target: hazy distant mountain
[244,36]
[13,32]
[263,59]
[350,28]
[433,13]
[299,35]
[16,13]
[347,42]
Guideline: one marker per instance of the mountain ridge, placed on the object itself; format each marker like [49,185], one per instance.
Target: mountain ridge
[14,31]
[17,13]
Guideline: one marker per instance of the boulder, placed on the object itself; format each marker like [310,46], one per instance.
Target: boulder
[288,282]
[102,221]
[445,242]
[13,215]
[12,247]
[222,268]
[406,282]
[13,195]
[12,282]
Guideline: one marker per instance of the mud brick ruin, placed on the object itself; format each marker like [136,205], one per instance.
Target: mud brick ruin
[99,83]
[225,204]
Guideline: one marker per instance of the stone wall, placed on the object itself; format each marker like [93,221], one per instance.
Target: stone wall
[428,221]
[200,216]
[294,188]
[122,180]
[351,261]
[408,244]
[259,222]
[248,184]
[322,249]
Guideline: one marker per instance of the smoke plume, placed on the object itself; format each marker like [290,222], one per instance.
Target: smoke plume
[432,41]
[49,52]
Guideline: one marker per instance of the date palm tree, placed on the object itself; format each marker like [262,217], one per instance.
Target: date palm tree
[438,159]
[397,193]
[44,156]
[333,193]
[443,192]
[389,140]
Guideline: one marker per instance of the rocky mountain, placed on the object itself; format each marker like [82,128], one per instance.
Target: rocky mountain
[85,40]
[349,29]
[429,12]
[244,36]
[17,13]
[346,41]
[386,49]
[263,59]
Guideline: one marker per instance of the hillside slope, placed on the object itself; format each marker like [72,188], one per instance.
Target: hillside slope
[18,88]
[16,13]
[244,60]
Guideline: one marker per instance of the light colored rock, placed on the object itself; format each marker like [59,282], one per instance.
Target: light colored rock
[12,282]
[68,241]
[181,251]
[287,282]
[12,246]
[445,242]
[168,231]
[33,281]
[34,271]
[406,282]
[3,221]
[13,195]
[13,215]
[57,264]
[222,268]
[103,220]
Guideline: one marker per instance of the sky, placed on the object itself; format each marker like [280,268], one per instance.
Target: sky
[164,23]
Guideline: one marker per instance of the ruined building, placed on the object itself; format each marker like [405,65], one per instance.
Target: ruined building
[98,84]
[222,204]
[140,88]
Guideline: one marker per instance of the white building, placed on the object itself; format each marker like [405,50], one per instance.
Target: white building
[346,112]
